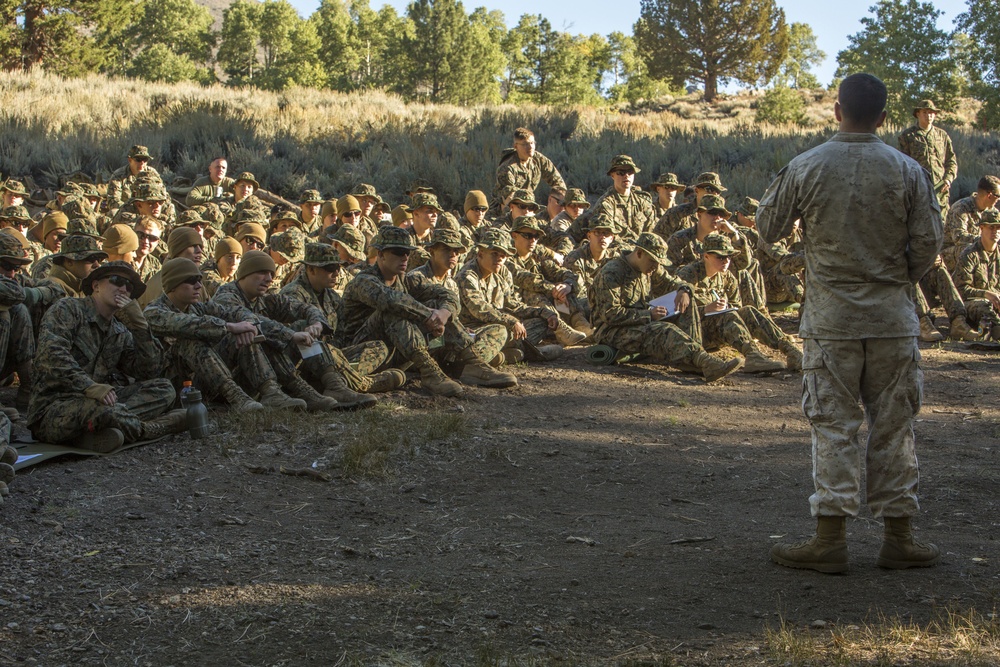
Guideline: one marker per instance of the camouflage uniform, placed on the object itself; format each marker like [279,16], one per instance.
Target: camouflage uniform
[634,213]
[871,228]
[536,275]
[782,264]
[149,268]
[931,148]
[978,272]
[684,248]
[204,191]
[677,218]
[513,175]
[961,228]
[17,339]
[77,349]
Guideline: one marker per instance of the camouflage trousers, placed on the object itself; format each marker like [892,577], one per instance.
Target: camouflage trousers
[753,291]
[579,310]
[739,328]
[356,363]
[661,341]
[409,338]
[979,309]
[211,367]
[938,287]
[782,287]
[844,382]
[17,340]
[538,330]
[65,420]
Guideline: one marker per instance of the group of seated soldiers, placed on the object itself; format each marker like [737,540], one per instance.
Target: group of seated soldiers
[111,298]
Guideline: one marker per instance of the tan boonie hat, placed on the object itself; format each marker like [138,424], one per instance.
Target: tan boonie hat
[138,151]
[253,230]
[622,162]
[353,241]
[576,196]
[290,244]
[526,222]
[990,217]
[16,214]
[311,197]
[714,203]
[749,207]
[717,244]
[115,268]
[78,247]
[77,207]
[120,239]
[709,179]
[475,199]
[182,238]
[366,190]
[446,237]
[253,262]
[425,199]
[447,221]
[12,250]
[524,198]
[321,255]
[669,180]
[654,246]
[175,271]
[926,104]
[401,214]
[227,246]
[496,239]
[393,237]
[348,203]
[15,187]
[247,177]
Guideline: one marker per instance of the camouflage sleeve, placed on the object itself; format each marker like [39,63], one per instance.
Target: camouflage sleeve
[950,161]
[905,146]
[698,285]
[142,355]
[606,302]
[44,293]
[676,250]
[957,228]
[550,174]
[779,209]
[508,180]
[476,309]
[426,291]
[166,322]
[55,366]
[531,280]
[743,257]
[272,329]
[514,305]
[283,309]
[11,293]
[369,290]
[967,281]
[663,282]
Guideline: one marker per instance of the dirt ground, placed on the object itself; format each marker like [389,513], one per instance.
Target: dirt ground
[589,516]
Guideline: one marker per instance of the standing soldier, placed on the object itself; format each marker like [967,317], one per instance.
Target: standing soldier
[122,180]
[523,168]
[931,147]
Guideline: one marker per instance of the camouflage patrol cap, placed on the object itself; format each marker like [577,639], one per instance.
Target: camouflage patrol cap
[669,180]
[425,199]
[85,226]
[191,218]
[16,214]
[352,240]
[78,247]
[623,162]
[604,221]
[495,238]
[418,186]
[714,203]
[347,204]
[252,230]
[366,190]
[925,104]
[990,217]
[322,255]
[717,244]
[70,189]
[749,207]
[524,198]
[447,221]
[311,197]
[654,246]
[149,191]
[393,237]
[247,177]
[401,214]
[115,268]
[77,207]
[15,187]
[576,196]
[290,244]
[139,152]
[450,238]
[709,179]
[90,191]
[211,213]
[287,216]
[526,223]
[12,250]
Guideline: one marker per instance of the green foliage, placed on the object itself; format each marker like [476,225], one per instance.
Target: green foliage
[159,63]
[238,41]
[902,45]
[780,106]
[712,42]
[978,54]
[803,55]
[174,41]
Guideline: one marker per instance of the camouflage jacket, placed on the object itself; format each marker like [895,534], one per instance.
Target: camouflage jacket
[150,267]
[977,272]
[683,247]
[204,191]
[271,312]
[406,299]
[327,301]
[11,293]
[78,348]
[677,218]
[492,299]
[347,273]
[962,224]
[203,321]
[634,213]
[540,274]
[426,273]
[513,175]
[785,255]
[41,267]
[619,296]
[931,148]
[585,267]
[120,186]
[724,284]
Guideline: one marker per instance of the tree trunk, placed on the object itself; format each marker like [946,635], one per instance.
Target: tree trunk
[711,87]
[33,50]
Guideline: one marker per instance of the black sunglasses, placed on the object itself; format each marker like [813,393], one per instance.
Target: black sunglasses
[121,281]
[530,237]
[398,252]
[480,209]
[152,238]
[253,243]
[8,266]
[193,280]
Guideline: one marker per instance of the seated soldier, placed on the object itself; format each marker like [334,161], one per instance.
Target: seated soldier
[936,287]
[370,203]
[212,187]
[17,338]
[47,237]
[147,231]
[782,264]
[381,304]
[349,243]
[123,179]
[595,251]
[961,227]
[183,242]
[349,214]
[685,214]
[310,204]
[629,206]
[88,348]
[313,285]
[251,290]
[725,320]
[14,193]
[402,216]
[211,343]
[542,282]
[252,236]
[120,242]
[625,321]
[16,217]
[221,270]
[474,219]
[38,297]
[445,249]
[77,257]
[666,188]
[286,249]
[521,203]
[488,296]
[557,234]
[977,276]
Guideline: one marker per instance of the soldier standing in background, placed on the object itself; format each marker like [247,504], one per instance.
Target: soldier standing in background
[931,147]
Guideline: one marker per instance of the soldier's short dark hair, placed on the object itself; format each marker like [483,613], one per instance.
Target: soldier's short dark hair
[862,98]
[523,134]
[989,183]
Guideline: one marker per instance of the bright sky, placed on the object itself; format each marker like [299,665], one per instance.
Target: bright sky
[832,22]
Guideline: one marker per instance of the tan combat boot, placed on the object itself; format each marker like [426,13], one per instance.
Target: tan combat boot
[758,362]
[335,387]
[568,336]
[899,549]
[103,441]
[433,378]
[793,355]
[826,551]
[713,368]
[389,380]
[928,332]
[477,372]
[315,401]
[237,398]
[168,423]
[960,330]
[271,396]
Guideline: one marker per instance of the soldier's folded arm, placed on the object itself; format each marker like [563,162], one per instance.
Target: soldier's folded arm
[191,326]
[369,290]
[142,356]
[778,209]
[54,358]
[476,307]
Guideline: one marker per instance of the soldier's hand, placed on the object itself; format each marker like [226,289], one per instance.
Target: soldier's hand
[561,291]
[553,321]
[315,330]
[110,398]
[302,338]
[437,320]
[994,299]
[559,257]
[122,300]
[716,306]
[518,332]
[657,312]
[726,227]
[682,302]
